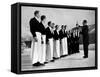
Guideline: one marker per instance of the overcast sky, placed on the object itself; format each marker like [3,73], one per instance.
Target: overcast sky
[59,16]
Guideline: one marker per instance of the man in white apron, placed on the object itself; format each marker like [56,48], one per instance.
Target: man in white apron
[35,29]
[43,45]
[65,39]
[62,41]
[37,51]
[49,38]
[56,43]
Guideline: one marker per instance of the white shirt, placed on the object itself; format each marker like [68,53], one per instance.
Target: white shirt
[51,29]
[37,19]
[58,31]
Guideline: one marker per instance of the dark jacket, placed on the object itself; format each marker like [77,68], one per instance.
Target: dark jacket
[77,32]
[85,34]
[56,35]
[43,30]
[34,26]
[61,34]
[65,34]
[49,34]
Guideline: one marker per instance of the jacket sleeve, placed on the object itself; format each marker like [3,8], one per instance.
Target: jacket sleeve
[32,27]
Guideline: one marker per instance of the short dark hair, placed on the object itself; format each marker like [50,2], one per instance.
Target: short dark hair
[56,26]
[49,23]
[84,21]
[43,17]
[36,12]
[62,26]
[65,25]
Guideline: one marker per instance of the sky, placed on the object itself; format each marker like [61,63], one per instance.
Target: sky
[59,16]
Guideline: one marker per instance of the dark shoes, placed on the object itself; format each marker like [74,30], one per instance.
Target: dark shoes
[45,62]
[41,64]
[85,56]
[63,55]
[55,58]
[38,64]
[51,60]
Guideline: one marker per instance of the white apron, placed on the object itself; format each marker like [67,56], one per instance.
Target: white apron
[43,57]
[37,49]
[64,50]
[49,50]
[57,48]
[32,49]
[62,47]
[66,46]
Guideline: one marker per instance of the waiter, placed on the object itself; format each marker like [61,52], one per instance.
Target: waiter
[49,40]
[69,42]
[85,38]
[35,29]
[77,35]
[56,43]
[43,36]
[77,38]
[74,42]
[65,38]
[62,41]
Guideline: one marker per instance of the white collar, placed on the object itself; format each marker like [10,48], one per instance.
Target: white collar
[49,27]
[43,23]
[37,19]
[57,31]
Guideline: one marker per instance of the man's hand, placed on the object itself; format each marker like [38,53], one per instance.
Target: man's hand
[42,42]
[35,38]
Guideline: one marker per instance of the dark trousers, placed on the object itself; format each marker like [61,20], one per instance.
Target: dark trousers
[77,44]
[73,47]
[85,50]
[69,48]
[77,47]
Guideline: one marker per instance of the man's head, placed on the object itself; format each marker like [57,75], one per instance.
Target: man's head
[56,27]
[62,27]
[37,14]
[49,23]
[84,22]
[77,25]
[43,18]
[65,27]
[52,26]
